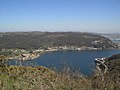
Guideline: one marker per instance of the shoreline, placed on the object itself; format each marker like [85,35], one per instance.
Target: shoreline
[39,53]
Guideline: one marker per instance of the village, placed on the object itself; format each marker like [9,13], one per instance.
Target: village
[34,53]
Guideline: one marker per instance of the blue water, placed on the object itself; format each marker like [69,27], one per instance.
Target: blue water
[79,60]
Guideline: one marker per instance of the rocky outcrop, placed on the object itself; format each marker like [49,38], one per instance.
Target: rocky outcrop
[100,65]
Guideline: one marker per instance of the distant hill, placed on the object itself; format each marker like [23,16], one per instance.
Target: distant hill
[114,37]
[27,40]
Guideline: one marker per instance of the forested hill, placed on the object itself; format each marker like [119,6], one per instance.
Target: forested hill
[26,40]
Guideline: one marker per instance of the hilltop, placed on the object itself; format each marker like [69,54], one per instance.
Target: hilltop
[27,40]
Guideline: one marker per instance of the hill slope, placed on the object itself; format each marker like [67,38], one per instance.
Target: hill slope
[26,40]
[113,64]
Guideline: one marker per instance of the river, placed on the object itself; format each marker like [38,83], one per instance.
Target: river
[78,60]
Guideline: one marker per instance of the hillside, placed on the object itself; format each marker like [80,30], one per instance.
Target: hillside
[41,78]
[113,64]
[27,40]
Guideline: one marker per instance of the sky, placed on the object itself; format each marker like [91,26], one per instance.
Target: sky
[99,16]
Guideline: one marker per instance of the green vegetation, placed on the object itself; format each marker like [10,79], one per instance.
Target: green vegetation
[41,78]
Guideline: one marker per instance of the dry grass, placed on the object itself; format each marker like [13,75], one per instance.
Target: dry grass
[41,78]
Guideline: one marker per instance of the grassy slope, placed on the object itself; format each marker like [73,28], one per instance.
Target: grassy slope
[40,78]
